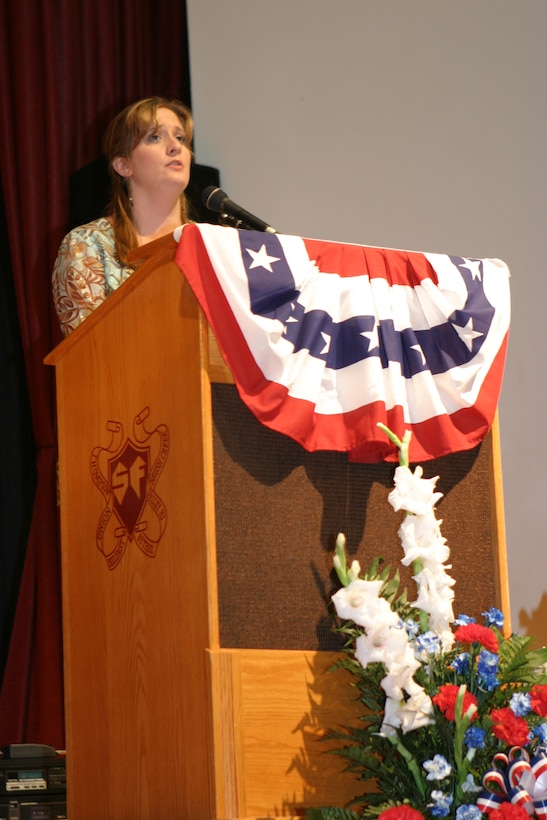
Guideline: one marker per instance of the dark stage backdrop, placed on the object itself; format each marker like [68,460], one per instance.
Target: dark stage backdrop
[66,67]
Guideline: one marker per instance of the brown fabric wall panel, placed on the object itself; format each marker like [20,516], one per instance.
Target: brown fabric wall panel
[278,512]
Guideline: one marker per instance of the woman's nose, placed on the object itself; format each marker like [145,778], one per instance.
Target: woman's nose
[174,146]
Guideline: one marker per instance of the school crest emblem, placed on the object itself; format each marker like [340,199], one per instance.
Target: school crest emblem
[126,472]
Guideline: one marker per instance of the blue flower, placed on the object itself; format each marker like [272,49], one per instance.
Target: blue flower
[438,769]
[475,737]
[429,642]
[494,617]
[441,803]
[462,620]
[469,786]
[540,732]
[460,664]
[412,628]
[520,704]
[487,670]
[468,812]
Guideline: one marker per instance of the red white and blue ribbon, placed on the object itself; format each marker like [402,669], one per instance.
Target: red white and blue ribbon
[517,779]
[325,340]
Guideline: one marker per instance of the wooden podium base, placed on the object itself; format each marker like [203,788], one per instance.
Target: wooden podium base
[271,756]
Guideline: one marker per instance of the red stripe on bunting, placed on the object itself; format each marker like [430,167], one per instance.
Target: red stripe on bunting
[403,268]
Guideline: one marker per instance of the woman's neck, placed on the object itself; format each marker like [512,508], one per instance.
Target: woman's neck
[153,222]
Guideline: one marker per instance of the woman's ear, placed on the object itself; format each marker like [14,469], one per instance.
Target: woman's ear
[122,166]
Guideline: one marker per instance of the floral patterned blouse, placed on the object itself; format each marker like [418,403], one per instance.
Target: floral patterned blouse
[86,271]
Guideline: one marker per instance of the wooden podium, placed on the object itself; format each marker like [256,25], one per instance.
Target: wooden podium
[196,570]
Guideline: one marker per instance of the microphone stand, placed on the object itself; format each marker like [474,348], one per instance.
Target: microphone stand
[231,221]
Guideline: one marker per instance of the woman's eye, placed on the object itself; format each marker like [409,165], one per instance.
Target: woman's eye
[156,136]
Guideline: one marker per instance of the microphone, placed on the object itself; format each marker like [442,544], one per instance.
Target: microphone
[215,199]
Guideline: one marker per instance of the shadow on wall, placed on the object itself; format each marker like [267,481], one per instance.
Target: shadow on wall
[535,622]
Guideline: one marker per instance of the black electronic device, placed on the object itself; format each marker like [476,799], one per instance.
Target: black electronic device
[32,775]
[29,808]
[26,750]
[32,783]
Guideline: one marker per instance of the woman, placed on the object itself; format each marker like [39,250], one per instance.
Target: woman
[148,147]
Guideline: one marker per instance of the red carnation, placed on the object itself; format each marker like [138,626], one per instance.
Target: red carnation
[445,700]
[508,811]
[476,633]
[538,699]
[402,812]
[510,728]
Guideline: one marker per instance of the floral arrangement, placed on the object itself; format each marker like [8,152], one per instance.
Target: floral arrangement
[456,712]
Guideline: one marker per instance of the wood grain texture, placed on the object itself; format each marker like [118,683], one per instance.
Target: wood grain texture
[135,636]
[270,726]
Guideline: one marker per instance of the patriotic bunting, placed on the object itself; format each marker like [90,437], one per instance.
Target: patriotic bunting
[326,339]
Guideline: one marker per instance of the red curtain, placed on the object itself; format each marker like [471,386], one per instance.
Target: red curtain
[65,68]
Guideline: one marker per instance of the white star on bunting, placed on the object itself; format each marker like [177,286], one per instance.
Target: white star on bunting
[327,340]
[474,267]
[420,352]
[467,334]
[371,336]
[261,259]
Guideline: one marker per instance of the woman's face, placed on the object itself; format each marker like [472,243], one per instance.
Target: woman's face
[161,159]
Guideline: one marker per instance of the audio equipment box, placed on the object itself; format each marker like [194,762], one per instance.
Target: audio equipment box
[32,783]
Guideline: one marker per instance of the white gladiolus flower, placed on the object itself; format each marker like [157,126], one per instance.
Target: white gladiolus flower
[416,712]
[392,718]
[399,679]
[359,602]
[407,715]
[384,645]
[435,596]
[435,587]
[354,570]
[421,539]
[412,492]
[385,640]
